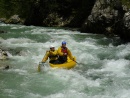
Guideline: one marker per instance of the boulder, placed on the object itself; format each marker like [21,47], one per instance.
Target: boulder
[15,19]
[105,18]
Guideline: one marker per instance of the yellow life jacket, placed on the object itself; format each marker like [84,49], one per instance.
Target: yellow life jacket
[52,55]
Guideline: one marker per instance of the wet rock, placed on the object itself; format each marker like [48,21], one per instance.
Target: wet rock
[2,31]
[15,19]
[104,15]
[3,58]
[126,19]
[6,67]
[125,34]
[3,55]
[2,20]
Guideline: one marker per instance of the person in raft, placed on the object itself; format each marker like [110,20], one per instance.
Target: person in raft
[52,55]
[63,52]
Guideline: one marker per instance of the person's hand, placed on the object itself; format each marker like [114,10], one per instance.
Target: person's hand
[41,63]
[73,59]
[65,53]
[47,51]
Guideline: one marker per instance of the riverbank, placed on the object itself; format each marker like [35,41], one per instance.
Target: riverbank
[96,16]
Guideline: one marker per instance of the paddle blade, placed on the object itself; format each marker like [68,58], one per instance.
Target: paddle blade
[39,68]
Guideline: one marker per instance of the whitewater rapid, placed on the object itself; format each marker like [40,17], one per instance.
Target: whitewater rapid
[103,69]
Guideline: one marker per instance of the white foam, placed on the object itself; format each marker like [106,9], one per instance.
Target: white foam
[123,51]
[116,66]
[74,82]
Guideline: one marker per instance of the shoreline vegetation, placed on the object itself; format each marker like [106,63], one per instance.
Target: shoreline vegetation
[111,17]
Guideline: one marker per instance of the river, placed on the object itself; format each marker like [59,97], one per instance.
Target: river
[103,69]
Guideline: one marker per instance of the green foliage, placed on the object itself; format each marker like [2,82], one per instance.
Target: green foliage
[37,10]
[126,2]
[23,7]
[4,8]
[11,7]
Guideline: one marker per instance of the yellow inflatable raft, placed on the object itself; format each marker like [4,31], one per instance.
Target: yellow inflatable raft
[67,65]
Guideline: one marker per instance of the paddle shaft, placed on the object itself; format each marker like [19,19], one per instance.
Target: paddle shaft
[79,63]
[76,62]
[39,66]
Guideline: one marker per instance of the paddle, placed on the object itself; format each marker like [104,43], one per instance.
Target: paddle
[79,63]
[76,62]
[39,66]
[74,59]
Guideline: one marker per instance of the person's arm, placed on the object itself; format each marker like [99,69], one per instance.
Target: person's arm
[70,54]
[59,52]
[45,58]
[53,52]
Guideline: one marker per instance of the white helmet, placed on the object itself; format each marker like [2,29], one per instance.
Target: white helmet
[51,46]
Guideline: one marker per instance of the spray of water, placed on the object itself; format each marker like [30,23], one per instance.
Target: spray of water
[102,70]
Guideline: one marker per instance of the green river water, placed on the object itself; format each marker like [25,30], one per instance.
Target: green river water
[103,69]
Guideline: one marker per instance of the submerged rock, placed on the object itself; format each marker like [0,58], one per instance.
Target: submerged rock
[15,19]
[2,31]
[3,57]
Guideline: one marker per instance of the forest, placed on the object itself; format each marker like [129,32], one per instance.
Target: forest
[107,17]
